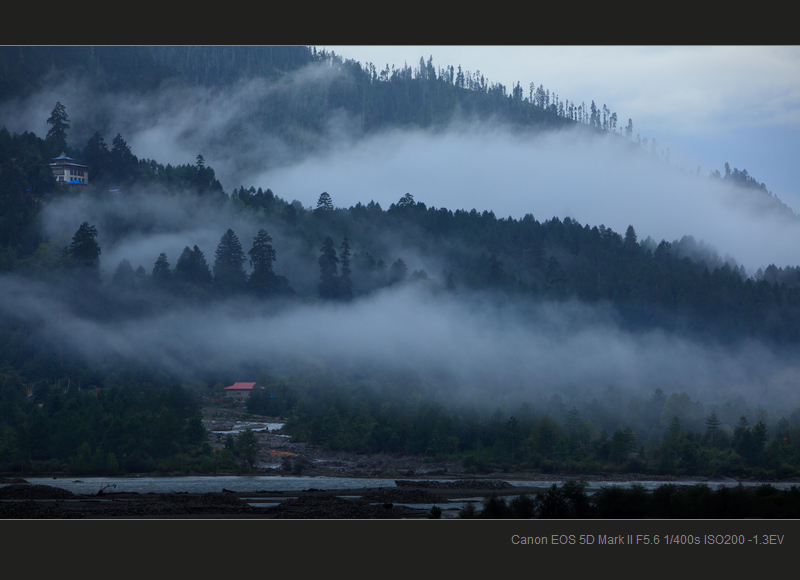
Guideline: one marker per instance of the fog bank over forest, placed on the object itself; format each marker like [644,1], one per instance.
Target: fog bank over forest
[477,343]
[469,343]
[466,346]
[411,263]
[591,177]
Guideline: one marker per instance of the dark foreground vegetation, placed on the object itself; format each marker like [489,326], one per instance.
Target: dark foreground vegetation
[569,501]
[148,426]
[667,501]
[660,435]
[111,430]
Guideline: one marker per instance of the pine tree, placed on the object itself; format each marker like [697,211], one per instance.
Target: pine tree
[345,282]
[97,156]
[262,280]
[630,237]
[124,276]
[204,179]
[183,269]
[573,422]
[192,268]
[328,270]
[247,446]
[202,273]
[398,271]
[494,273]
[84,252]
[594,119]
[406,201]
[514,431]
[324,203]
[57,134]
[141,274]
[229,274]
[674,431]
[123,162]
[161,272]
[712,428]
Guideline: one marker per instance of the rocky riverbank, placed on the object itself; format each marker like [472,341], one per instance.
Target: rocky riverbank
[278,453]
[27,501]
[408,500]
[420,483]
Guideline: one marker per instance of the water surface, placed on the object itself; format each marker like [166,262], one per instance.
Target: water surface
[285,483]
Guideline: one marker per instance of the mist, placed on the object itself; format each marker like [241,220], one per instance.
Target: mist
[472,345]
[176,123]
[478,343]
[592,179]
[595,179]
[139,225]
[469,344]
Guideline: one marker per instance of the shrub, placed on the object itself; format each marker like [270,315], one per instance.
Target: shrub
[467,512]
[523,507]
[553,504]
[475,464]
[495,507]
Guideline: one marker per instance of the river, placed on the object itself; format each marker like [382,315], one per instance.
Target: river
[254,483]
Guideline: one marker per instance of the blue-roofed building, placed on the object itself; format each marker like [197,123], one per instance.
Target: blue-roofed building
[68,172]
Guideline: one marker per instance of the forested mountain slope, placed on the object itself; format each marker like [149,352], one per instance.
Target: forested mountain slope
[155,278]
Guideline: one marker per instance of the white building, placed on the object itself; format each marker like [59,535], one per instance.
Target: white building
[67,172]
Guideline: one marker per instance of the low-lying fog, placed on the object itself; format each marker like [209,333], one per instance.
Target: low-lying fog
[475,345]
[596,180]
[474,341]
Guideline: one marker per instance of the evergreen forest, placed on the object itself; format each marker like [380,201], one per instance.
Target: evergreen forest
[129,302]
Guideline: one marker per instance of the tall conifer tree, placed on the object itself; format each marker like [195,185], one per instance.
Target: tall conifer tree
[345,282]
[84,253]
[57,134]
[229,274]
[328,270]
[262,280]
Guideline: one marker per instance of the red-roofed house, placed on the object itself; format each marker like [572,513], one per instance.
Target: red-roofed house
[240,391]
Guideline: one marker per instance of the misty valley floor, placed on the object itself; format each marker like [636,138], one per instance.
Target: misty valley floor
[419,484]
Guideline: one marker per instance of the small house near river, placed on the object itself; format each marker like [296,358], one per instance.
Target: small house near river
[240,391]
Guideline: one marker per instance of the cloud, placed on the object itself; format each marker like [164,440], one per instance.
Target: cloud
[668,90]
[593,179]
[484,166]
[470,344]
[478,343]
[138,225]
[176,123]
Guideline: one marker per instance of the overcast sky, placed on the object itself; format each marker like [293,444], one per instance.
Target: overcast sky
[708,104]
